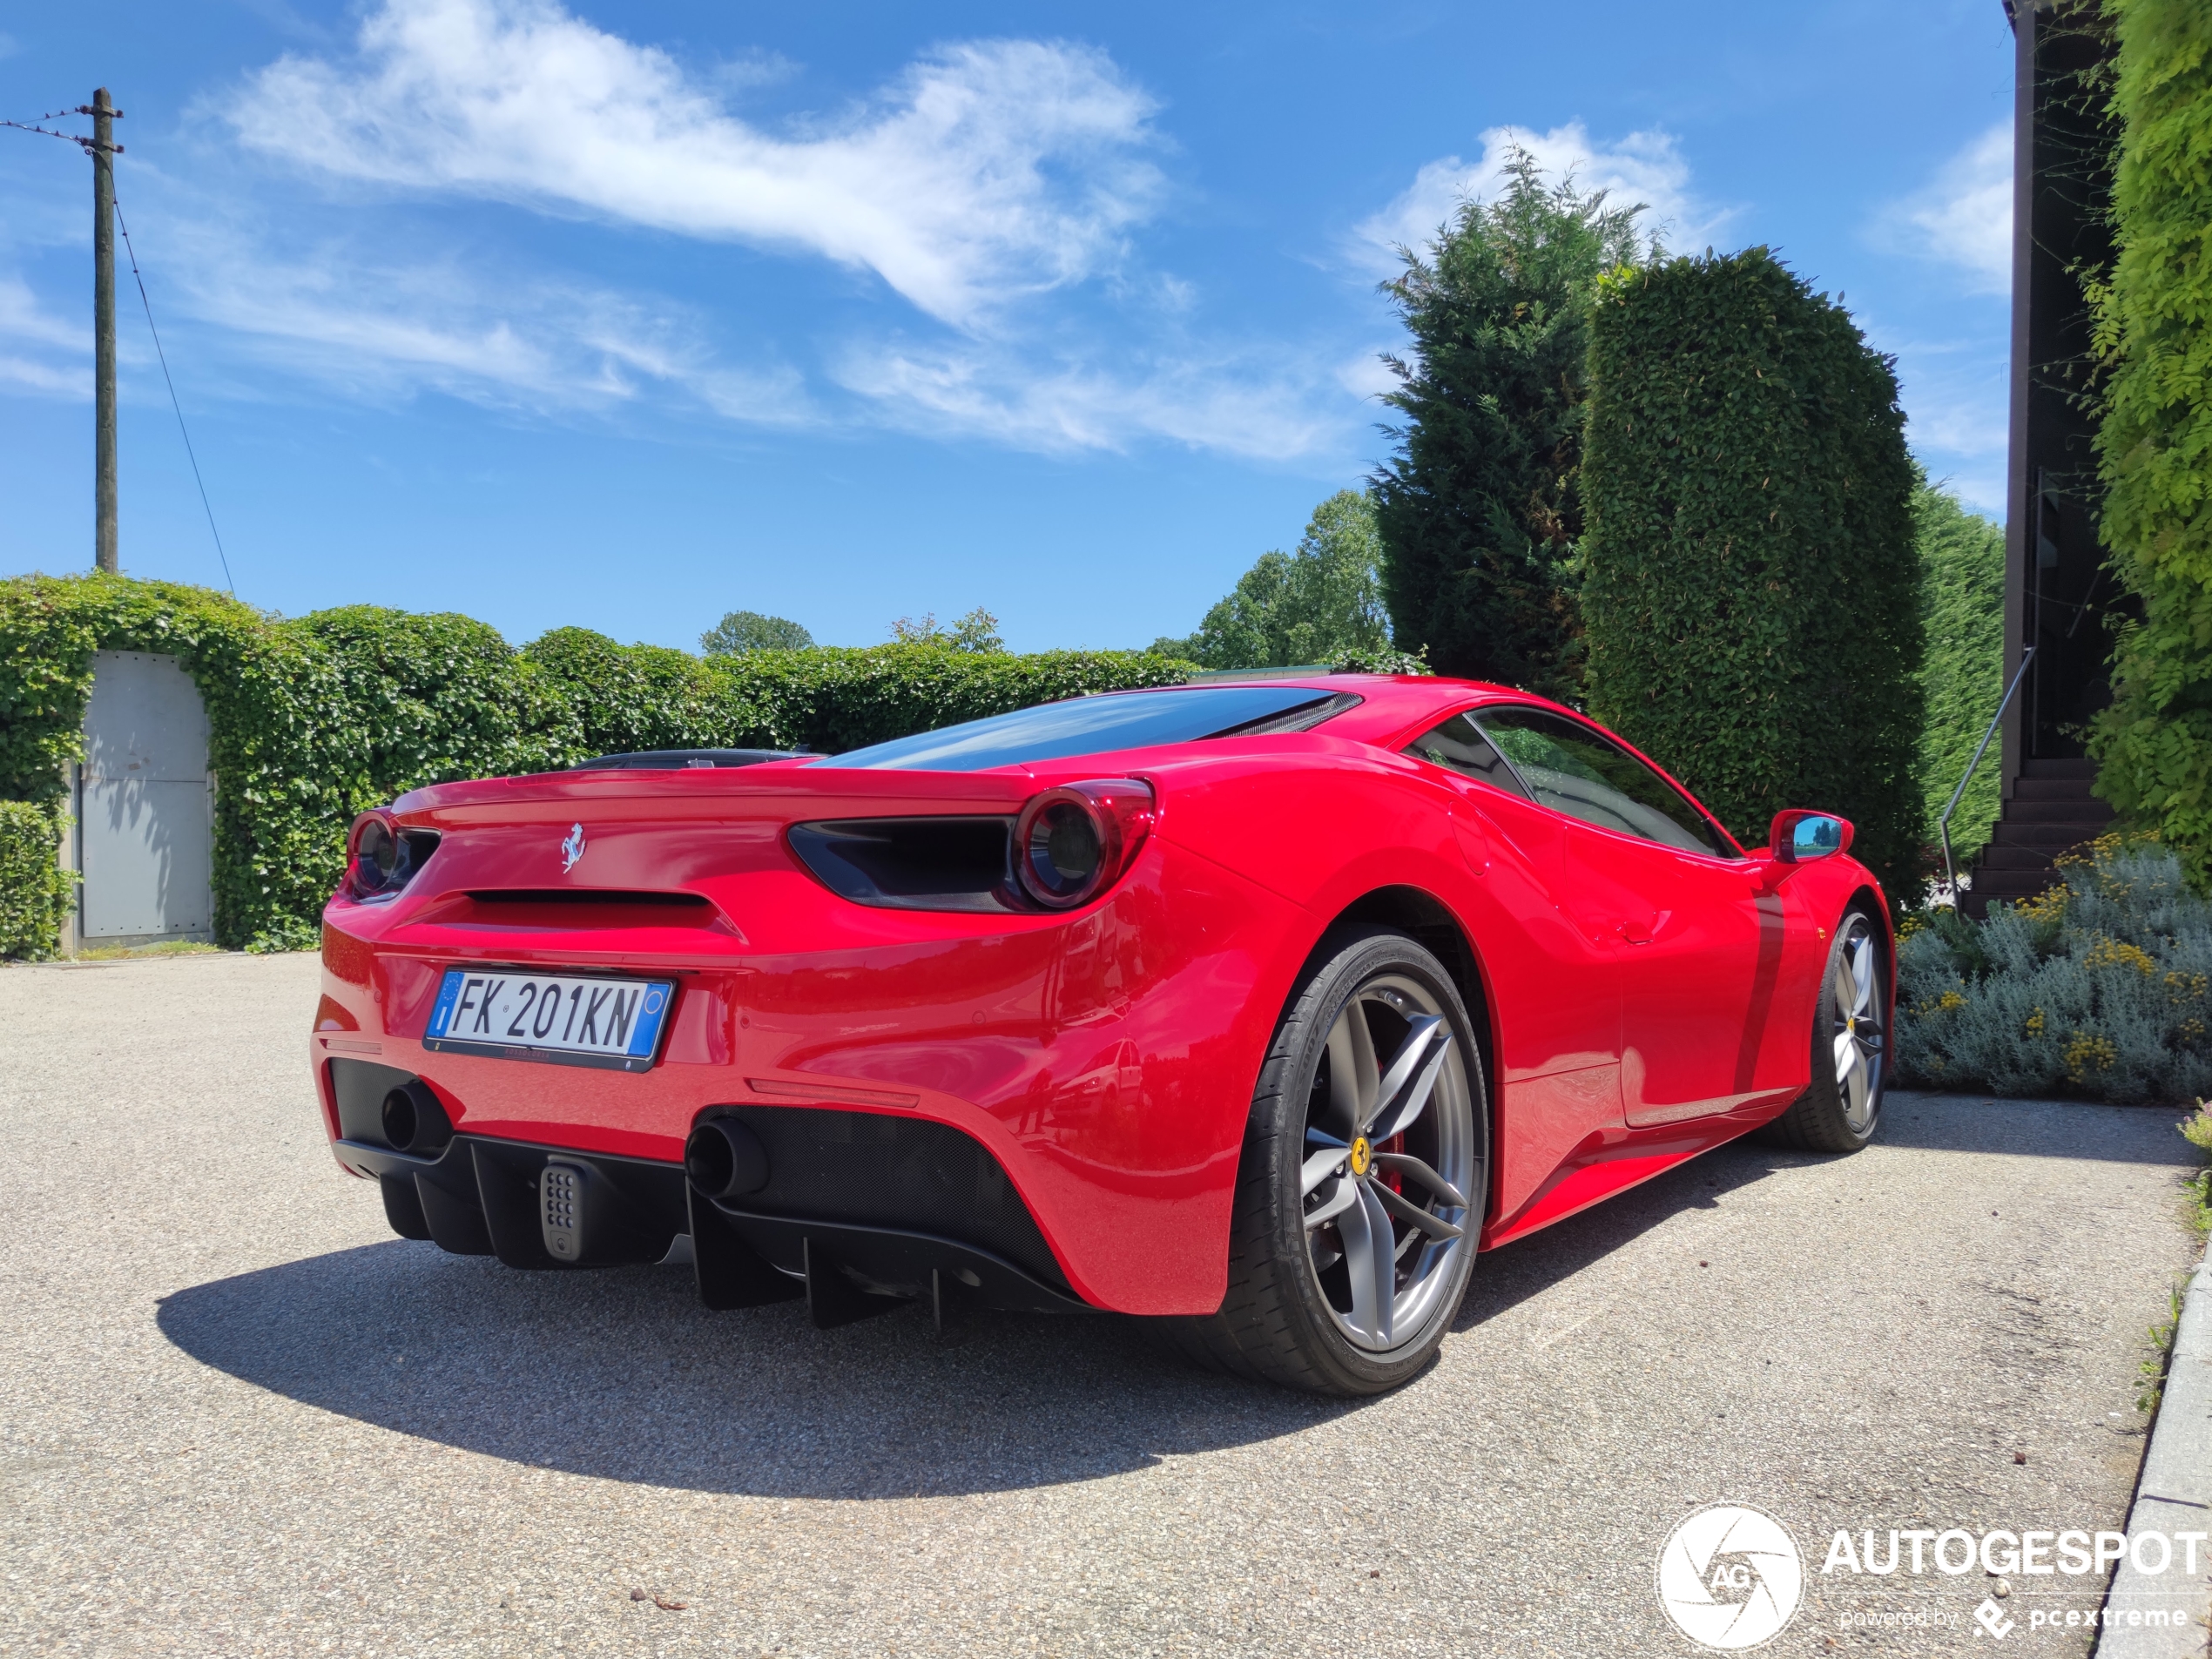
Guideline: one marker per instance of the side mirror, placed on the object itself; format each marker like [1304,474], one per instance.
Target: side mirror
[1798,836]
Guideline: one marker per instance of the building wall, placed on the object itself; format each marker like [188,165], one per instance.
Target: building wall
[2056,595]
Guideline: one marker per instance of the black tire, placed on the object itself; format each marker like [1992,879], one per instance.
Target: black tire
[1280,1322]
[1833,1115]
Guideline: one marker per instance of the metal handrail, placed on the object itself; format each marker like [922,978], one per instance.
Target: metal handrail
[1943,824]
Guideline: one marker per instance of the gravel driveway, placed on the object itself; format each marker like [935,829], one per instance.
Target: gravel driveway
[239,1417]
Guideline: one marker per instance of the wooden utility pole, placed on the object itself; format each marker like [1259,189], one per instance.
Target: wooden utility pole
[103,147]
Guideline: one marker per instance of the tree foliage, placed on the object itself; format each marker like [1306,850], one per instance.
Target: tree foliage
[1962,619]
[977,630]
[1751,592]
[2155,447]
[1480,511]
[1322,603]
[743,631]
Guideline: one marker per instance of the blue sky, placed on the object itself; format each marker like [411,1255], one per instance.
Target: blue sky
[631,314]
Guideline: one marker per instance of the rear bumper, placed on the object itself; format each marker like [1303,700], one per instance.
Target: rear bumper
[537,1206]
[1103,1062]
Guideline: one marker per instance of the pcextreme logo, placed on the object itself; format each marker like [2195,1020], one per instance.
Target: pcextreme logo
[1730,1577]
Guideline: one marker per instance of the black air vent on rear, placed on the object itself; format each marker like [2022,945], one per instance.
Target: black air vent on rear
[946,863]
[567,910]
[884,1169]
[587,896]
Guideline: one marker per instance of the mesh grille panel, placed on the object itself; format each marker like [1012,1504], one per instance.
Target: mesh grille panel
[882,1170]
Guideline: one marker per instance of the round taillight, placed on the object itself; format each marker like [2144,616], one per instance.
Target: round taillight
[1070,844]
[377,862]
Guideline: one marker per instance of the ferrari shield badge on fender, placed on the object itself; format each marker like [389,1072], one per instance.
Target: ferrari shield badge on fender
[572,849]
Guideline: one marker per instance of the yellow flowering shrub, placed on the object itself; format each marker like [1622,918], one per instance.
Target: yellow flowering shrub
[2098,986]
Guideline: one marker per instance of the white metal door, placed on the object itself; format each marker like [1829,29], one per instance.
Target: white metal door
[146,808]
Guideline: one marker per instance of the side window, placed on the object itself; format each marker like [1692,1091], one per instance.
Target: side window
[1573,770]
[1458,746]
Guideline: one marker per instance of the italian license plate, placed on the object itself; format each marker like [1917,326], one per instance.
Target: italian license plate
[564,1018]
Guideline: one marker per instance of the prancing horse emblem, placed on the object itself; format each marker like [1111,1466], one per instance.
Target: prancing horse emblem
[572,849]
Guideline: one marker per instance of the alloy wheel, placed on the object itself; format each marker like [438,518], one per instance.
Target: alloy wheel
[1856,1005]
[1385,1182]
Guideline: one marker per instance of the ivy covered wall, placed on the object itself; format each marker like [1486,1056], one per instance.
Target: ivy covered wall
[2154,449]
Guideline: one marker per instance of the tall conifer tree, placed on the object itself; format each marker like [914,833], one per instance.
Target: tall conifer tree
[1480,511]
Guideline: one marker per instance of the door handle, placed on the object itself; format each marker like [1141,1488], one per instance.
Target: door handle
[1643,933]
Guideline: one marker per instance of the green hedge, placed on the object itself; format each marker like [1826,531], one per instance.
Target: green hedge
[283,732]
[2154,332]
[1751,588]
[35,893]
[313,720]
[1962,615]
[832,699]
[432,698]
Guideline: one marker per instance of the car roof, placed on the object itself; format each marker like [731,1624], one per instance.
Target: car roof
[1386,700]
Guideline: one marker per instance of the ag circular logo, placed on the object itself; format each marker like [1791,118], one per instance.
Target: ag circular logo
[1730,1577]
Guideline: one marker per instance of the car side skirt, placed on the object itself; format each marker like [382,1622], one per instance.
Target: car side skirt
[1612,1161]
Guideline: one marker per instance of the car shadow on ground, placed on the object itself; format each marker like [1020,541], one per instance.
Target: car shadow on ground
[620,1374]
[1510,1275]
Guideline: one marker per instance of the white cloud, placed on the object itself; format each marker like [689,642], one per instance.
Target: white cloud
[380,328]
[22,320]
[1965,421]
[35,376]
[1230,405]
[988,170]
[1965,217]
[1642,167]
[384,330]
[1366,375]
[1955,392]
[39,351]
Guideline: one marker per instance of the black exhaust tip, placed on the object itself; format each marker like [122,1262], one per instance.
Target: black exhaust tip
[414,1121]
[724,1159]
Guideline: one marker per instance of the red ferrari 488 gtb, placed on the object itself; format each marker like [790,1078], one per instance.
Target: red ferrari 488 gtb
[1257,1007]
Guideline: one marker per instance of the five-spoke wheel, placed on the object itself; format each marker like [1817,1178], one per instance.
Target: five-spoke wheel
[1839,1111]
[1383,1223]
[1854,991]
[1361,1194]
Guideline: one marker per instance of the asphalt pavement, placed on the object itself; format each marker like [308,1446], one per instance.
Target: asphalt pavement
[237,1417]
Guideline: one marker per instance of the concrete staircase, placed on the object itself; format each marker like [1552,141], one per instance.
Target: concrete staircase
[2051,812]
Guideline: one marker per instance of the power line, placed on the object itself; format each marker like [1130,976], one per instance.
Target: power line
[33,126]
[90,146]
[173,403]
